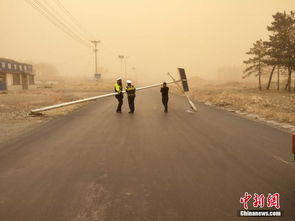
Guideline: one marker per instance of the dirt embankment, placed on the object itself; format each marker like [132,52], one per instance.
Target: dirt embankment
[245,97]
[15,106]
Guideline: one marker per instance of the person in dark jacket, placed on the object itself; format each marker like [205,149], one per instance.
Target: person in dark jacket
[119,95]
[165,97]
[130,90]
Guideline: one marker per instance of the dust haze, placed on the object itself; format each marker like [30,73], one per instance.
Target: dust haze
[155,36]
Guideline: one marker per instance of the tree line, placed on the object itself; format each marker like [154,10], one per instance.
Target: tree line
[276,55]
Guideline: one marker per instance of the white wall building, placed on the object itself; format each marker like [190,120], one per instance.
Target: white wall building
[15,75]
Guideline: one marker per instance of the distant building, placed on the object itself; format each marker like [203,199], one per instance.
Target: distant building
[15,75]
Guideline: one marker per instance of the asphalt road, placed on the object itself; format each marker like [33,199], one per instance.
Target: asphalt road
[97,165]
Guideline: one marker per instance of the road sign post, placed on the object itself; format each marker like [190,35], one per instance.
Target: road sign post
[293,144]
[184,87]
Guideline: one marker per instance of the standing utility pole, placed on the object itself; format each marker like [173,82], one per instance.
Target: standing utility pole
[97,75]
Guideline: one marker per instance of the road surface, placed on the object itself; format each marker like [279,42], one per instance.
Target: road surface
[97,165]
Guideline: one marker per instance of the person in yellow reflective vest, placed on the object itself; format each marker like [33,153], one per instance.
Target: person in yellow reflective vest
[130,90]
[119,95]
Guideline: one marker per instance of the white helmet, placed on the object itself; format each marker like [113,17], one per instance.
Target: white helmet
[128,82]
[118,79]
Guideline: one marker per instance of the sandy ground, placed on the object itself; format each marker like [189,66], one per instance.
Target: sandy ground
[15,106]
[245,97]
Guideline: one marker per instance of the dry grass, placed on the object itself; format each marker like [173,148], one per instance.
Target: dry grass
[270,104]
[15,106]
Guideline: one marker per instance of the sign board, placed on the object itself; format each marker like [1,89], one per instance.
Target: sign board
[97,76]
[183,79]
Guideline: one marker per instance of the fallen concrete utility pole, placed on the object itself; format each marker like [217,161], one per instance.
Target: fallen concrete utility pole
[39,110]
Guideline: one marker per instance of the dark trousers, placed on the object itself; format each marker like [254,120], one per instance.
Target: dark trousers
[165,102]
[120,103]
[131,103]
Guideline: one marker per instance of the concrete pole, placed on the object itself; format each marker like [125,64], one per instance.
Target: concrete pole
[95,54]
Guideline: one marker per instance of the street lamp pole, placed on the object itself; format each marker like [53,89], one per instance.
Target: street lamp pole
[121,57]
[125,64]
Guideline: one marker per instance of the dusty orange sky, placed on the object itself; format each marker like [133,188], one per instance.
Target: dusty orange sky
[157,36]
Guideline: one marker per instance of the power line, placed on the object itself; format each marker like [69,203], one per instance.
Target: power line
[70,16]
[64,26]
[55,21]
[66,20]
[76,22]
[53,15]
